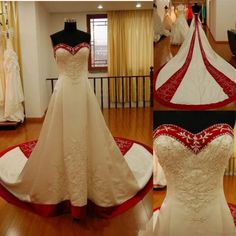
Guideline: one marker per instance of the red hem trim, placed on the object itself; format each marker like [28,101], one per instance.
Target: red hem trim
[77,212]
[191,107]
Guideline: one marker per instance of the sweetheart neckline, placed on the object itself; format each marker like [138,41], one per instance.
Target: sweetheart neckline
[194,134]
[194,142]
[72,50]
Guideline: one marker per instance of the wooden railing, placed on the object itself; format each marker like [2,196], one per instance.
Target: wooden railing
[133,82]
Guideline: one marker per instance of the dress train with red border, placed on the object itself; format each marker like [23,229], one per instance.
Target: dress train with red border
[76,159]
[196,78]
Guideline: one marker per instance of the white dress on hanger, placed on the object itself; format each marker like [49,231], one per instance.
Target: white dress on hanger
[158,27]
[14,96]
[194,166]
[197,77]
[76,162]
[180,28]
[2,80]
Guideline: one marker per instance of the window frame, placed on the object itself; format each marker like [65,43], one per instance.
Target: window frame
[90,67]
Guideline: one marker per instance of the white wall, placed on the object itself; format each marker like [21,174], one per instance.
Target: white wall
[225,18]
[29,56]
[222,16]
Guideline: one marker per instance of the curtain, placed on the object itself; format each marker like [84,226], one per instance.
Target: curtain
[10,15]
[8,20]
[130,49]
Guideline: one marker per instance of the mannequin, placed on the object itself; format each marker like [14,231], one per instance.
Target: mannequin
[70,36]
[196,8]
[194,121]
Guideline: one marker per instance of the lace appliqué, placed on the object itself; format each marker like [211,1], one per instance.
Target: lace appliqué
[194,179]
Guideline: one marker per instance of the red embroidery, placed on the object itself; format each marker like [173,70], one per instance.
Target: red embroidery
[168,89]
[233,211]
[28,147]
[72,50]
[165,93]
[228,86]
[124,144]
[195,142]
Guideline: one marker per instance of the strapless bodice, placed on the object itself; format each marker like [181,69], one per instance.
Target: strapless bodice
[194,164]
[72,61]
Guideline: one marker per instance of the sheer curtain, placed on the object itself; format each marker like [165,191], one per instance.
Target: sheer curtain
[9,20]
[130,48]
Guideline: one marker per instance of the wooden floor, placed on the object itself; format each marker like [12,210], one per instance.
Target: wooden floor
[134,124]
[163,52]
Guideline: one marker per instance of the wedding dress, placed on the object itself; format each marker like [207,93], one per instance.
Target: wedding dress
[76,163]
[2,80]
[158,27]
[13,110]
[180,28]
[194,166]
[196,78]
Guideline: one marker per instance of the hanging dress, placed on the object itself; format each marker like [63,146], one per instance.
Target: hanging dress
[180,28]
[14,97]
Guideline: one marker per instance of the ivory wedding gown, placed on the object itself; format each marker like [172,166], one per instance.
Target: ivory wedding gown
[13,107]
[194,166]
[196,78]
[180,28]
[76,162]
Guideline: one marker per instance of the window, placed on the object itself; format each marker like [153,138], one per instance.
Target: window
[97,27]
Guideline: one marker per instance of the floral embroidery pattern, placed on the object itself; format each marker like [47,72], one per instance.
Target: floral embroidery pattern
[194,142]
[72,50]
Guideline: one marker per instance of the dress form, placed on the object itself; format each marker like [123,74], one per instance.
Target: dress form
[70,36]
[196,8]
[194,121]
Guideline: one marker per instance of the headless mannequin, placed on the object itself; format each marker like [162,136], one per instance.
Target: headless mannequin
[70,36]
[196,8]
[194,121]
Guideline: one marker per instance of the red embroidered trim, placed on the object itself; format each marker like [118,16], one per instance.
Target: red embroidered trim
[72,50]
[194,142]
[66,206]
[232,208]
[168,89]
[228,86]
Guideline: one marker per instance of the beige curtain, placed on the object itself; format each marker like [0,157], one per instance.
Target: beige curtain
[8,14]
[130,49]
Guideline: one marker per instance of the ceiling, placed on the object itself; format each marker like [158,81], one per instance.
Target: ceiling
[91,6]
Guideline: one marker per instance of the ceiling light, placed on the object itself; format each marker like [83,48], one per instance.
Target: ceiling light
[100,6]
[138,5]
